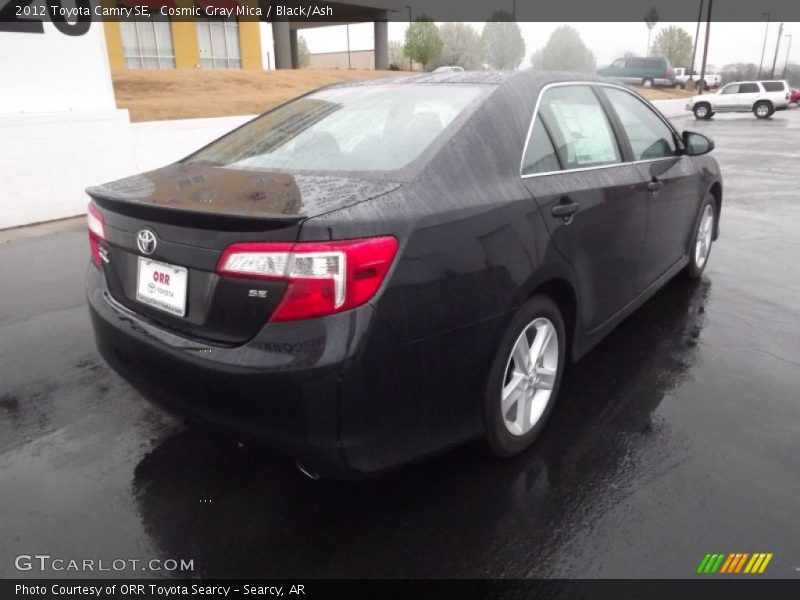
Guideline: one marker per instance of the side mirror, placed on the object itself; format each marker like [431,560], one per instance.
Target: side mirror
[697,144]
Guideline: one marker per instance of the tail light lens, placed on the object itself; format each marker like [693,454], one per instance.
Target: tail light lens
[97,231]
[323,277]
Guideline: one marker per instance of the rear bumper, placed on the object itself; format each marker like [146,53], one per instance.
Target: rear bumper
[281,388]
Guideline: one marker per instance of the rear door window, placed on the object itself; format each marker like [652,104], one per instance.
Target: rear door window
[648,135]
[540,155]
[579,127]
[773,86]
[749,88]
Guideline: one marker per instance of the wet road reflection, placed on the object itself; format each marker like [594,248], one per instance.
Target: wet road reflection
[447,515]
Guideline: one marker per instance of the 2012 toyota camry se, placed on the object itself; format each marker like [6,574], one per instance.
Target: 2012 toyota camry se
[377,271]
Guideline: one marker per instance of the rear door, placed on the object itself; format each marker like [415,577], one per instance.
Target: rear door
[668,183]
[593,204]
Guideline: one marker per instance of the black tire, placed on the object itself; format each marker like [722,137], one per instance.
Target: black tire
[702,110]
[648,83]
[694,270]
[679,86]
[758,109]
[500,440]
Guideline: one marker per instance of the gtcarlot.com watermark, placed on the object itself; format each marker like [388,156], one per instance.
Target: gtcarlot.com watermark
[46,563]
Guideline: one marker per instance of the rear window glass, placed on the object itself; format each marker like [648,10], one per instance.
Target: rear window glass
[749,88]
[362,128]
[773,86]
[540,155]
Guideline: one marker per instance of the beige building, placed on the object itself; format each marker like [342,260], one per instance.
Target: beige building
[357,59]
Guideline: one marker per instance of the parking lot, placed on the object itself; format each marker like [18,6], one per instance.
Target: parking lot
[676,436]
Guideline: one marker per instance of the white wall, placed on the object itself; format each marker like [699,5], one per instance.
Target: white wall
[267,46]
[55,72]
[48,160]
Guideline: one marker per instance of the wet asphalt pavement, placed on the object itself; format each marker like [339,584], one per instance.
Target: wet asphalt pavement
[677,436]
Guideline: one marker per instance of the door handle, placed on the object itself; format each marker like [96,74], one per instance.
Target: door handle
[565,208]
[655,185]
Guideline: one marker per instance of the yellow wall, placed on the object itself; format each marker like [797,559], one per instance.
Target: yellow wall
[184,41]
[250,40]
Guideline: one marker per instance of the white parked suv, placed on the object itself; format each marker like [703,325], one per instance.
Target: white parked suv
[763,98]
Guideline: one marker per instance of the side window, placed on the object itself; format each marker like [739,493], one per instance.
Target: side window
[749,88]
[731,89]
[619,64]
[579,127]
[540,156]
[773,86]
[648,135]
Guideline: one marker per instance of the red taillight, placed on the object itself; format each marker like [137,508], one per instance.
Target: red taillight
[97,231]
[323,277]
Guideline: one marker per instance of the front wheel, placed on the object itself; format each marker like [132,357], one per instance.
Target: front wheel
[679,86]
[525,377]
[647,83]
[703,238]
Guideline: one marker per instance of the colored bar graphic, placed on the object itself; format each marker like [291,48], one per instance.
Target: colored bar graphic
[734,563]
[703,563]
[727,564]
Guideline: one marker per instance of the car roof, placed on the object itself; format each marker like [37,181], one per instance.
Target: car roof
[527,77]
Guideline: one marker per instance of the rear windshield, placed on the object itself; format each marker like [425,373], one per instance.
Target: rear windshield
[361,128]
[773,86]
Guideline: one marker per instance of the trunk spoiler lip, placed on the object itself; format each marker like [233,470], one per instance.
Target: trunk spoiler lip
[227,221]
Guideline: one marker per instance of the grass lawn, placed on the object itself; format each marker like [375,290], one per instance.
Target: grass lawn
[158,95]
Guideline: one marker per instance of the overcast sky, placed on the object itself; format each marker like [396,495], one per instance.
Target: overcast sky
[730,42]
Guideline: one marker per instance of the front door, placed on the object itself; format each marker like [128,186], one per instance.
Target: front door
[668,183]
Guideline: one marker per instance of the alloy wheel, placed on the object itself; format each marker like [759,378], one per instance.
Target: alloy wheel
[529,376]
[762,110]
[705,231]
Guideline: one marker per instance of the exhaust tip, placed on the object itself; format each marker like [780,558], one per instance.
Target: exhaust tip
[312,475]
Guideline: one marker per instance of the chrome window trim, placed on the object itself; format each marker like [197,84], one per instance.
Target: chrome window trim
[579,169]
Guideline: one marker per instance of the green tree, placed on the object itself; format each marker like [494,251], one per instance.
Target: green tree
[461,46]
[564,51]
[503,45]
[303,54]
[423,42]
[675,44]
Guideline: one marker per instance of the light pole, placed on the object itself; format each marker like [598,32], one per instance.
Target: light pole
[696,39]
[764,47]
[650,19]
[410,61]
[788,47]
[777,46]
[705,48]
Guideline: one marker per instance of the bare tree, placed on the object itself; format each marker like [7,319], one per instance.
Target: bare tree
[502,41]
[461,46]
[564,51]
[423,42]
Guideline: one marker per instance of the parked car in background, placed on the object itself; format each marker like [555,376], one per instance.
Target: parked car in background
[377,271]
[683,75]
[795,96]
[763,98]
[448,69]
[647,72]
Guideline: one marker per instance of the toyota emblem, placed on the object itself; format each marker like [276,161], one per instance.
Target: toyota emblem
[146,241]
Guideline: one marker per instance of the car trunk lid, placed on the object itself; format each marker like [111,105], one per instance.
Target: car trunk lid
[191,213]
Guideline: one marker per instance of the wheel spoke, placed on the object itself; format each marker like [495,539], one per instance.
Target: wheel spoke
[512,392]
[547,378]
[540,343]
[523,417]
[520,354]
